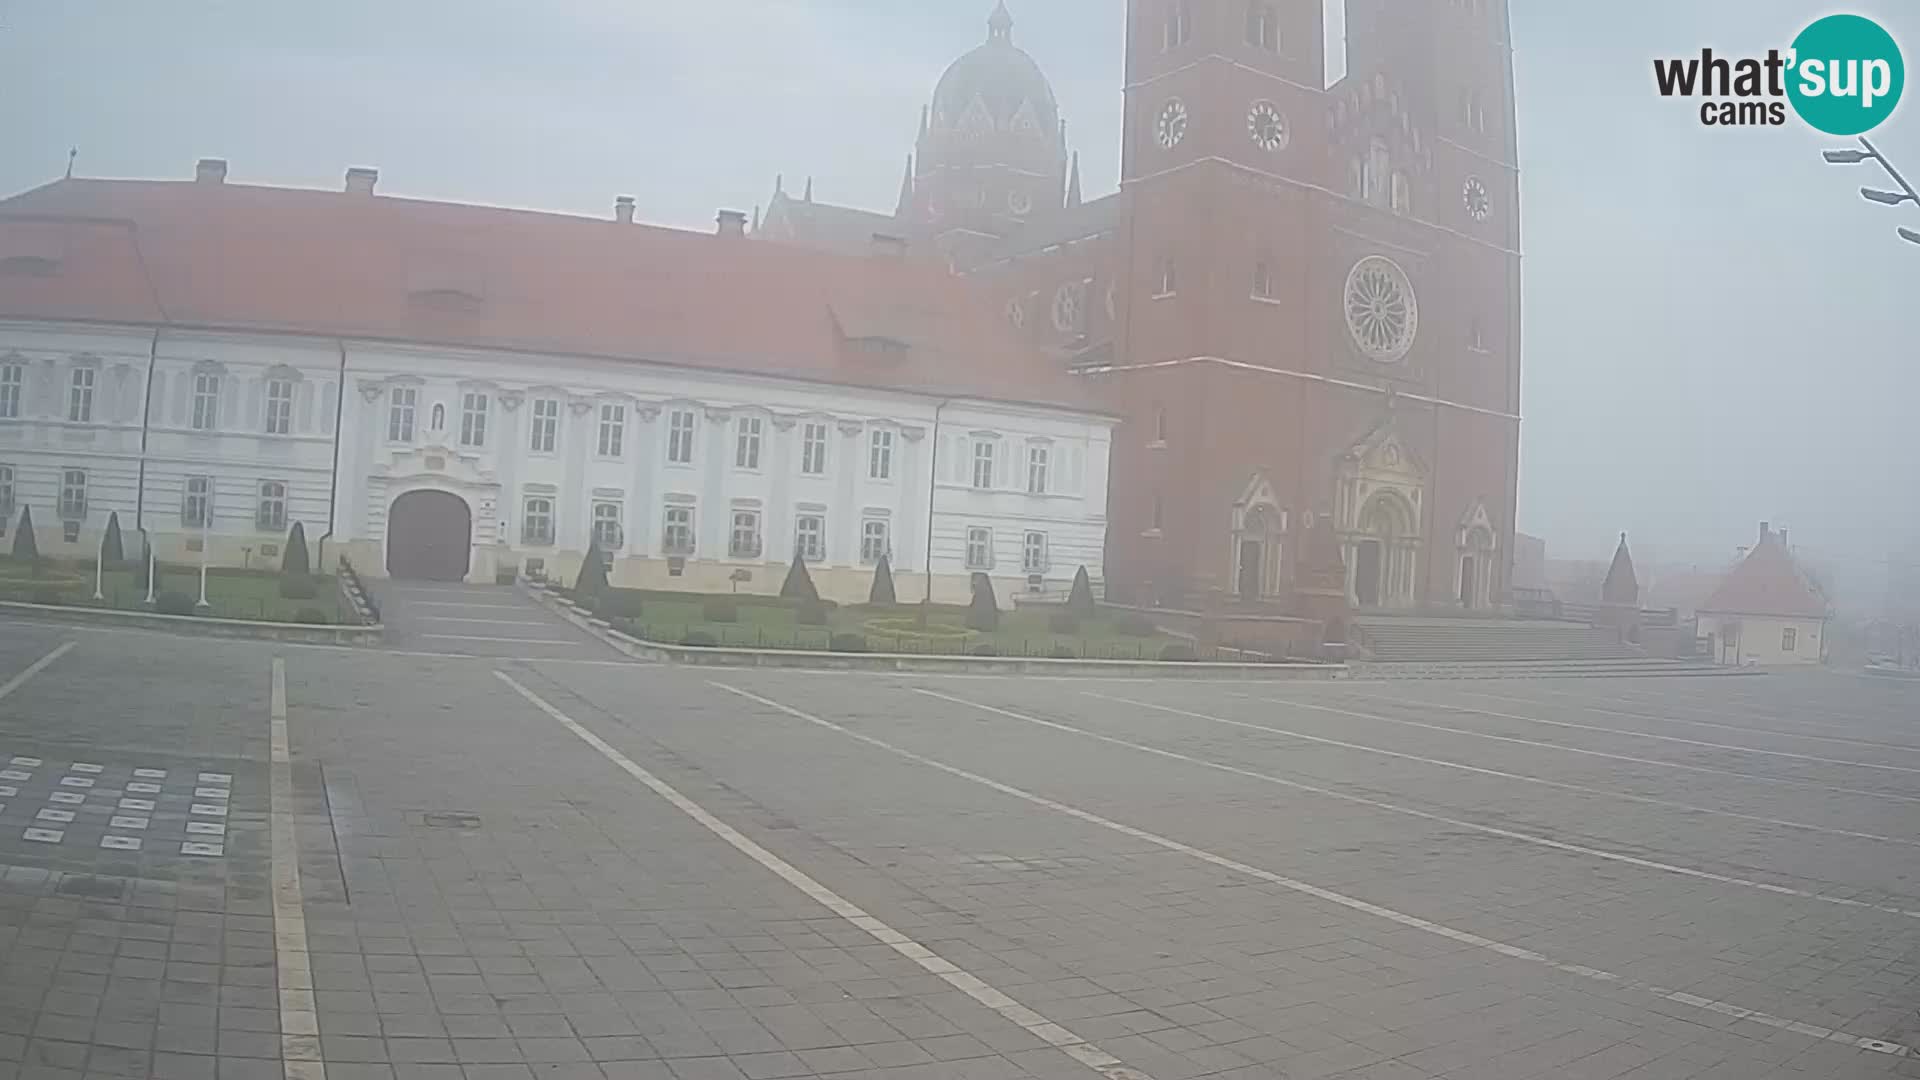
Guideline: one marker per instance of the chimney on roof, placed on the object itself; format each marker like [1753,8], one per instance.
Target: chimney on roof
[1766,530]
[732,223]
[888,244]
[360,181]
[623,209]
[211,170]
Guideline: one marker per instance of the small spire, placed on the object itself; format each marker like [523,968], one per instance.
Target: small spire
[72,153]
[905,205]
[756,218]
[808,197]
[1073,183]
[925,112]
[1000,24]
[779,183]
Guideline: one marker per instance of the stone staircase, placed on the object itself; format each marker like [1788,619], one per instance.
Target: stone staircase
[1407,640]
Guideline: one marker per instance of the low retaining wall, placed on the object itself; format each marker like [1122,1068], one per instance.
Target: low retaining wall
[198,625]
[1880,672]
[917,662]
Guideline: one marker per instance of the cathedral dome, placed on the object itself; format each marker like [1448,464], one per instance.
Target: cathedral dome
[996,92]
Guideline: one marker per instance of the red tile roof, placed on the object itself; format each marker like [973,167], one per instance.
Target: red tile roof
[232,256]
[1766,582]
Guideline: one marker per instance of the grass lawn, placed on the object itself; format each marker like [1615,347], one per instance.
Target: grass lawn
[768,626]
[231,594]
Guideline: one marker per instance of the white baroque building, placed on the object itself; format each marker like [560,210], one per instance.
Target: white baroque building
[451,392]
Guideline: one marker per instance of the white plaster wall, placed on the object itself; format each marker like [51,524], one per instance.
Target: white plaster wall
[1757,639]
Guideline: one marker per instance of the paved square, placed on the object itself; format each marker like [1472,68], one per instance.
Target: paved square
[587,869]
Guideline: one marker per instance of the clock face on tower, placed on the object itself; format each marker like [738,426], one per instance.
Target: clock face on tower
[1479,203]
[1172,125]
[1019,203]
[1266,127]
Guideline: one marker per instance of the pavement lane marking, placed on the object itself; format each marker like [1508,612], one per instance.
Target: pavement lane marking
[484,622]
[1668,702]
[1464,937]
[299,1016]
[1704,723]
[1640,734]
[1482,770]
[35,668]
[1394,808]
[1032,1022]
[1755,777]
[463,604]
[511,640]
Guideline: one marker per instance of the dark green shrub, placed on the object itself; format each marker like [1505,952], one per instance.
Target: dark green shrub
[298,588]
[882,591]
[985,648]
[983,613]
[1178,651]
[113,550]
[49,596]
[621,604]
[1062,652]
[721,611]
[811,613]
[699,639]
[1135,626]
[849,643]
[173,603]
[24,545]
[799,583]
[592,580]
[312,616]
[1063,622]
[1080,599]
[293,562]
[505,575]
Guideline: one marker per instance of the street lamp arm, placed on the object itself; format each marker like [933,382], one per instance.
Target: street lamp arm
[1892,172]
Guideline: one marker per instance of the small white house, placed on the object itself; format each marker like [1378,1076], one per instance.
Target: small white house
[1764,612]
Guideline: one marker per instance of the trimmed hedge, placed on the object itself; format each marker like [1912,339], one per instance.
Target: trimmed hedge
[811,613]
[298,588]
[173,603]
[699,639]
[848,643]
[720,611]
[1063,622]
[1177,651]
[1135,625]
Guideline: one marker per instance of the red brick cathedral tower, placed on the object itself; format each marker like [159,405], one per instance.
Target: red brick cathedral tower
[1319,316]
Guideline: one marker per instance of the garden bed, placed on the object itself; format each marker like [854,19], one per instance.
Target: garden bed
[232,593]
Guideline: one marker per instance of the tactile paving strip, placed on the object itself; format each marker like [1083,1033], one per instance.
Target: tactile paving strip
[144,807]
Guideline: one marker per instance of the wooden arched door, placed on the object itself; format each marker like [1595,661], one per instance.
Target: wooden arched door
[429,536]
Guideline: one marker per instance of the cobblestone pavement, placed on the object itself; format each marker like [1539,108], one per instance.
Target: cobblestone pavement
[530,867]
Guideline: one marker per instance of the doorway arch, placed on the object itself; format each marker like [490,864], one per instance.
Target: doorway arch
[429,536]
[1383,565]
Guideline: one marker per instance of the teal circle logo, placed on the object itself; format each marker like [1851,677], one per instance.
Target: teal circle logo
[1847,75]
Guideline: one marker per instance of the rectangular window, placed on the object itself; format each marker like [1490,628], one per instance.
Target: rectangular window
[546,425]
[880,456]
[11,378]
[746,450]
[677,539]
[979,549]
[206,402]
[608,531]
[80,396]
[1177,27]
[279,406]
[810,537]
[197,505]
[536,521]
[680,438]
[1038,459]
[1263,27]
[473,420]
[1262,281]
[873,542]
[983,463]
[744,541]
[1166,278]
[613,429]
[1033,553]
[813,449]
[271,515]
[1789,639]
[6,495]
[73,494]
[400,409]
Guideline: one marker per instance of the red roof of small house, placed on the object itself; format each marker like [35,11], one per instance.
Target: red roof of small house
[1766,582]
[216,255]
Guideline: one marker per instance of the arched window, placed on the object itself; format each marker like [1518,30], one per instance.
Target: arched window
[1379,163]
[1402,193]
[1262,281]
[1263,26]
[1178,26]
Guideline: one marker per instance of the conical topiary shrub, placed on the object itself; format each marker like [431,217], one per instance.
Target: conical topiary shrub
[1080,599]
[113,549]
[25,547]
[293,563]
[799,583]
[983,613]
[593,574]
[881,595]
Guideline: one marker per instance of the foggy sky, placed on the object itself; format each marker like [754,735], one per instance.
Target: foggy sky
[1718,330]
